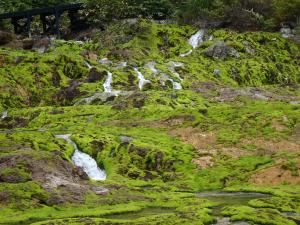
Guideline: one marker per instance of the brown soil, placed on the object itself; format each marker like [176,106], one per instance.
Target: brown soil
[269,147]
[275,175]
[195,137]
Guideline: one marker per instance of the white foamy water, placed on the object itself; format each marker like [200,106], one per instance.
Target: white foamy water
[88,65]
[121,65]
[107,84]
[4,114]
[105,61]
[83,160]
[186,54]
[172,66]
[142,80]
[195,41]
[151,66]
[176,85]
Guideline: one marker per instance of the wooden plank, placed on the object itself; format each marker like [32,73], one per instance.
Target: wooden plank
[40,11]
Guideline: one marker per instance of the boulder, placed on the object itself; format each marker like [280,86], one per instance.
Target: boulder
[5,37]
[94,75]
[220,50]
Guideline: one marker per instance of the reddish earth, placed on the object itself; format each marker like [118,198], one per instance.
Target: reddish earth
[275,175]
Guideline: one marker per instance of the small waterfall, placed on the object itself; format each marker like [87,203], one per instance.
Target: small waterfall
[151,66]
[142,80]
[121,65]
[4,114]
[105,61]
[83,160]
[88,65]
[176,85]
[195,41]
[186,54]
[107,84]
[173,65]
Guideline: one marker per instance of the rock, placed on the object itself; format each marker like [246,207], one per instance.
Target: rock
[5,37]
[126,139]
[94,75]
[217,72]
[18,59]
[41,45]
[100,190]
[220,50]
[90,55]
[286,30]
[28,43]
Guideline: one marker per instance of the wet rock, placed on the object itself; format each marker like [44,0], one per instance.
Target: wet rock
[90,55]
[18,59]
[120,53]
[69,93]
[221,51]
[94,75]
[41,45]
[217,72]
[56,79]
[139,150]
[100,190]
[28,43]
[5,37]
[126,139]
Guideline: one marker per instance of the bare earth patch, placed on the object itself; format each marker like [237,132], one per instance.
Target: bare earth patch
[204,162]
[195,137]
[272,146]
[275,175]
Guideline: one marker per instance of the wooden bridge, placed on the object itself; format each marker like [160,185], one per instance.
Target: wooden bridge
[21,21]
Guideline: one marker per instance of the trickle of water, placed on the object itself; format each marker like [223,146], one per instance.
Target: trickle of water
[4,114]
[186,54]
[121,65]
[83,160]
[176,85]
[88,65]
[195,41]
[151,66]
[173,65]
[107,84]
[142,80]
[105,61]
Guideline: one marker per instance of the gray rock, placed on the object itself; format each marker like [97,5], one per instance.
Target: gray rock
[217,72]
[220,50]
[5,37]
[126,139]
[100,190]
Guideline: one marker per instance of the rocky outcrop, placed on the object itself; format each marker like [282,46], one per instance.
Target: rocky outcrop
[5,37]
[221,51]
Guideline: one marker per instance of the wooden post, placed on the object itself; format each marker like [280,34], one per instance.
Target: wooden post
[28,23]
[57,21]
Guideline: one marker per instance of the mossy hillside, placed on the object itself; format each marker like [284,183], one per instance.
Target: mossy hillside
[265,58]
[261,216]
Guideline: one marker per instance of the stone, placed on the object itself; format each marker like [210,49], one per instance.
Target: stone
[126,139]
[100,190]
[94,75]
[5,37]
[217,72]
[220,50]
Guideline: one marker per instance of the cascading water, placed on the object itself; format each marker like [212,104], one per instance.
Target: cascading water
[142,80]
[4,114]
[173,65]
[107,84]
[83,160]
[195,41]
[88,65]
[151,66]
